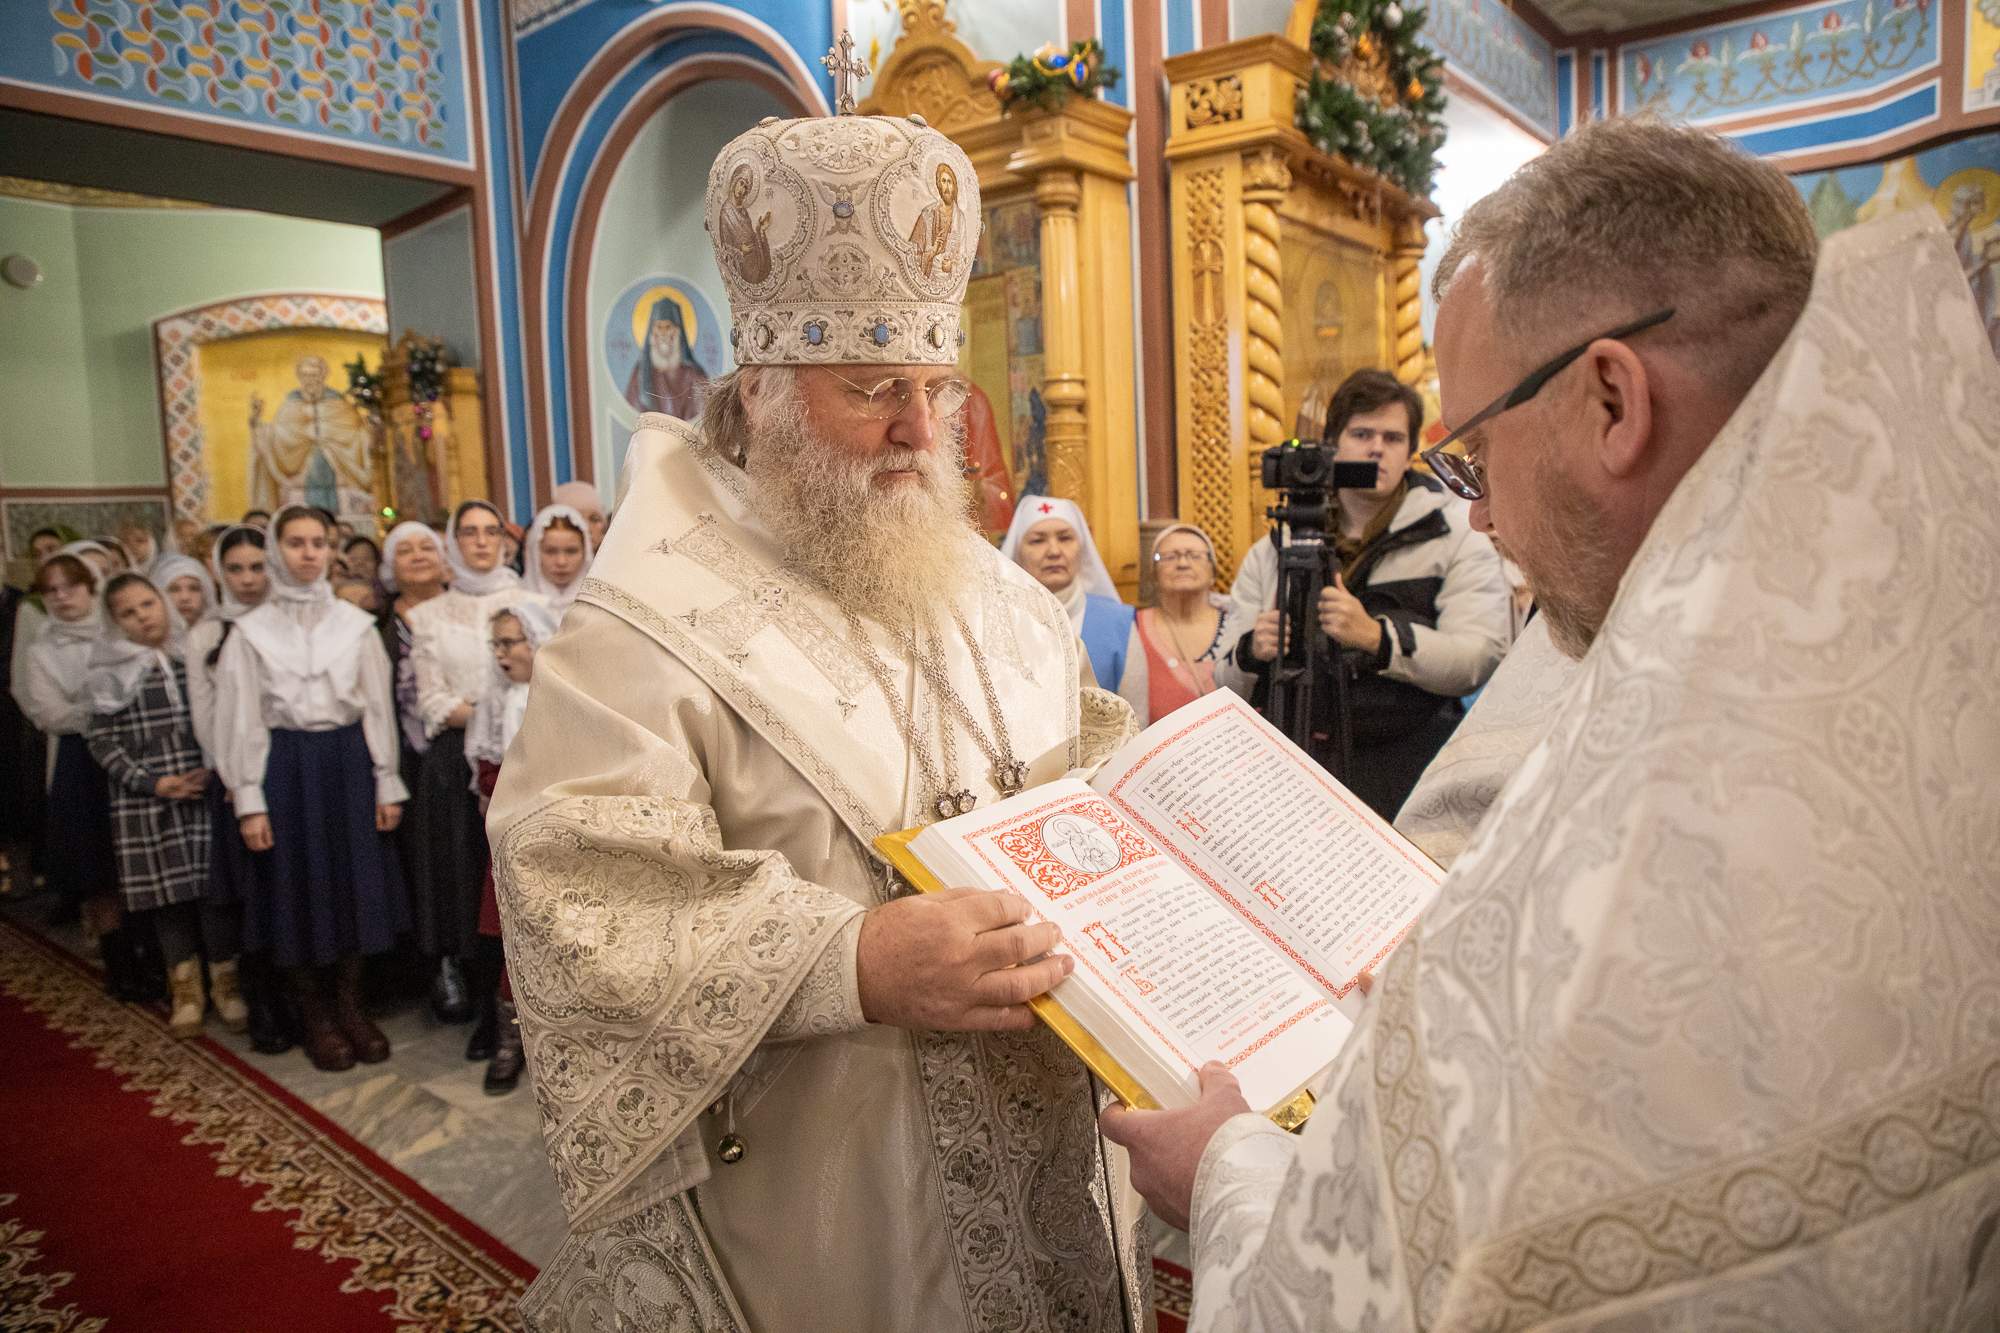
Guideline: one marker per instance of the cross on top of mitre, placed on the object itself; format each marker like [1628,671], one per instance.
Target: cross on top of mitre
[847,69]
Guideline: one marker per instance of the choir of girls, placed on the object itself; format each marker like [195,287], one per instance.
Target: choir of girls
[251,784]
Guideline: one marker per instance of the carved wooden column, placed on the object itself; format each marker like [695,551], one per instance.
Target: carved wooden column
[1266,180]
[1266,227]
[1064,385]
[1407,330]
[1076,158]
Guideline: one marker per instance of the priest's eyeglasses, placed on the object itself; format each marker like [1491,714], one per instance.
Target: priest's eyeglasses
[891,398]
[1464,471]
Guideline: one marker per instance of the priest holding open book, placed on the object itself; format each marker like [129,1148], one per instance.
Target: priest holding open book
[1702,1031]
[778,1090]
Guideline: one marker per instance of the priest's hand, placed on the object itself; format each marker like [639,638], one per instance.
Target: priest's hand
[1166,1146]
[256,832]
[1345,620]
[965,960]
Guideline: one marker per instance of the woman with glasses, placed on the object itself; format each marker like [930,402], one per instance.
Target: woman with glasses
[1180,644]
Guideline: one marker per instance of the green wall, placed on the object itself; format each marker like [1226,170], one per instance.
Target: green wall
[76,352]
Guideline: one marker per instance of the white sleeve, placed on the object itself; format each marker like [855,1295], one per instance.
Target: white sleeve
[378,723]
[201,688]
[45,702]
[1475,624]
[242,741]
[1256,588]
[435,697]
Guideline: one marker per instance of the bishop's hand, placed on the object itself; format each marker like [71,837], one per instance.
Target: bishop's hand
[964,960]
[1167,1146]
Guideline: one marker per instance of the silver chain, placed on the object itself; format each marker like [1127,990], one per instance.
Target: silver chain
[946,797]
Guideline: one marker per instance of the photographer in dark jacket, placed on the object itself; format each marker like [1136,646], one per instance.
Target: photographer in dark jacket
[1420,607]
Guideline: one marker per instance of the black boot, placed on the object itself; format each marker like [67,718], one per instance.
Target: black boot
[508,1057]
[450,1001]
[482,978]
[271,1025]
[121,967]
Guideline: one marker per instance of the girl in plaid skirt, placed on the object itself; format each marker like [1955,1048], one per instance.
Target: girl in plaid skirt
[142,734]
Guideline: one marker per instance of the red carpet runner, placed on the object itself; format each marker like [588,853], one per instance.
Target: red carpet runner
[148,1183]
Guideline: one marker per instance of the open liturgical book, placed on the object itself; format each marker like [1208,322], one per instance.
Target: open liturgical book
[1220,892]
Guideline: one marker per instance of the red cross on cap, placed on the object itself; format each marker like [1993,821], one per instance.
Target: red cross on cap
[1047,507]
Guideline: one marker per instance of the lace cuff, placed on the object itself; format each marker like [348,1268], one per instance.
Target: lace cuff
[828,1000]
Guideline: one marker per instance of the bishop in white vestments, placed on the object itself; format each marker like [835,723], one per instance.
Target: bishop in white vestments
[1703,1030]
[775,1092]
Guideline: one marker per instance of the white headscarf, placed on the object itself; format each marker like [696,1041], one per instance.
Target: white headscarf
[497,715]
[118,665]
[531,558]
[1091,575]
[408,531]
[171,565]
[302,629]
[87,546]
[285,588]
[63,646]
[227,607]
[463,577]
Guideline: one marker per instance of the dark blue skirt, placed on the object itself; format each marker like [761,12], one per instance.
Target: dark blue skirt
[234,871]
[330,886]
[81,862]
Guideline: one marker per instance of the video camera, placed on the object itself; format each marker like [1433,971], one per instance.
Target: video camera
[1307,477]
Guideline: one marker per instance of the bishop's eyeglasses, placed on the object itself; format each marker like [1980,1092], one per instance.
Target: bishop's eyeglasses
[891,398]
[1464,472]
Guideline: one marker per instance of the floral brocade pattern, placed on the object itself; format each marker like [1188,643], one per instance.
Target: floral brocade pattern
[1703,1031]
[844,240]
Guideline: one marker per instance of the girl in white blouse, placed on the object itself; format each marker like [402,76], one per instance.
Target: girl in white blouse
[237,566]
[305,738]
[49,687]
[453,662]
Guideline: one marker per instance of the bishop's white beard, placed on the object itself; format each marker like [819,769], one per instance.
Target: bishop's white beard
[901,555]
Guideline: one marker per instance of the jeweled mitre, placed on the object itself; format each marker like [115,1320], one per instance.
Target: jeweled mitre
[844,240]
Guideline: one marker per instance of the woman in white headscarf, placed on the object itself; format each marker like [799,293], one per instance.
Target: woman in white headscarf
[49,687]
[242,994]
[518,630]
[188,587]
[1050,539]
[305,737]
[142,735]
[556,555]
[452,663]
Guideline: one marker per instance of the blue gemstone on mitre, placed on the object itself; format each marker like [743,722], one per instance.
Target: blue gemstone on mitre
[843,209]
[881,335]
[815,334]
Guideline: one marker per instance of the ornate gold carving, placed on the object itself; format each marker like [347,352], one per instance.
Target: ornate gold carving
[922,18]
[1407,341]
[84,196]
[1211,499]
[1213,101]
[1266,178]
[940,91]
[1057,195]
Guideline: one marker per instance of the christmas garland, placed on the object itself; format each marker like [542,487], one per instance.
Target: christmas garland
[364,387]
[1051,76]
[1377,96]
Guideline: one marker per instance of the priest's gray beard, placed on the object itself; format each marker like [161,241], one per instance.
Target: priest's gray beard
[902,554]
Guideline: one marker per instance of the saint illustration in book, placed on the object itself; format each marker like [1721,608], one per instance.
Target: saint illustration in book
[931,235]
[1081,844]
[742,244]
